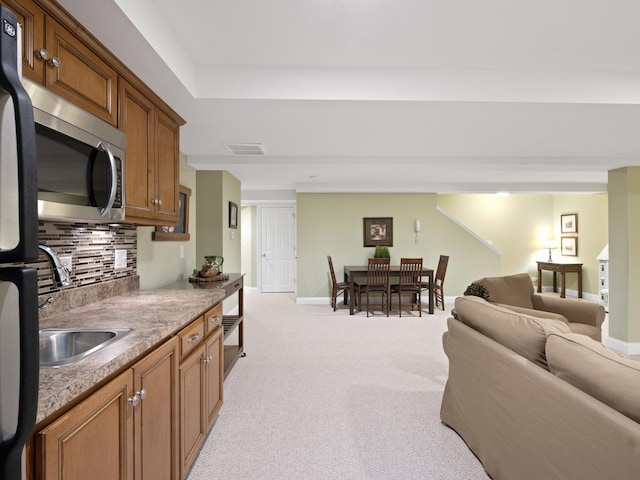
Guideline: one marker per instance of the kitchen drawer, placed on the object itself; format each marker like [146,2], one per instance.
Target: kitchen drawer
[233,287]
[191,336]
[212,319]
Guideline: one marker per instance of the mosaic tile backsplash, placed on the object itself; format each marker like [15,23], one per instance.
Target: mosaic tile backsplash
[92,248]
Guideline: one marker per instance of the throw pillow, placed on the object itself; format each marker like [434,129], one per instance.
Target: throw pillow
[590,366]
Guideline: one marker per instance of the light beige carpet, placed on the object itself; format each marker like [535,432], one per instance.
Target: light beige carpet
[325,395]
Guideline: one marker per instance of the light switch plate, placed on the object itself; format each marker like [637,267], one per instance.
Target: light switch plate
[121,259]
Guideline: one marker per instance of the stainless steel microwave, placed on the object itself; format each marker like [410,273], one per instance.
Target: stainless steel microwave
[80,161]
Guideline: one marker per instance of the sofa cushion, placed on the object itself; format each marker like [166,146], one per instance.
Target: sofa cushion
[596,370]
[510,289]
[524,334]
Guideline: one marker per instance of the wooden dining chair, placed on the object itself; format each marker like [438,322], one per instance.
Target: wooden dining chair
[337,288]
[438,281]
[409,283]
[377,283]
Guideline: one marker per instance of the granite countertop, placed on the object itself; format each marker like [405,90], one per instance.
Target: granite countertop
[154,315]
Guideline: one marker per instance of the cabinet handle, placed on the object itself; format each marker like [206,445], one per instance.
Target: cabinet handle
[142,393]
[193,338]
[133,401]
[215,319]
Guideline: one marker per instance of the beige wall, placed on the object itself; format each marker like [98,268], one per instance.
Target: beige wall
[159,262]
[593,234]
[331,224]
[248,239]
[624,230]
[517,225]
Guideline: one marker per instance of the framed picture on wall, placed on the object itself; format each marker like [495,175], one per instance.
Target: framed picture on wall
[378,231]
[569,223]
[233,215]
[569,246]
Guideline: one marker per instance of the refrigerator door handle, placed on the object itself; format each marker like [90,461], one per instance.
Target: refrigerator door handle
[25,147]
[25,281]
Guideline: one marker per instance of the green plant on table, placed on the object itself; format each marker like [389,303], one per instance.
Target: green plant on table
[381,252]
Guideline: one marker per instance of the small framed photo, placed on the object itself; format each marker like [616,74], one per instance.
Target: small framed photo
[569,223]
[378,231]
[233,215]
[569,246]
[179,232]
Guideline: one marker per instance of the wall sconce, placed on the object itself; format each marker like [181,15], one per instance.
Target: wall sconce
[416,229]
[550,244]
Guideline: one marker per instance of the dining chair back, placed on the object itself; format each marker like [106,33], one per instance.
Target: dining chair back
[409,283]
[378,283]
[337,288]
[438,281]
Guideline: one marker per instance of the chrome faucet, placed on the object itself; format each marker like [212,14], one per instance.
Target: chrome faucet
[60,271]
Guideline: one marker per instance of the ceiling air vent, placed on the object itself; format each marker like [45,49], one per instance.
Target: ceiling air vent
[246,148]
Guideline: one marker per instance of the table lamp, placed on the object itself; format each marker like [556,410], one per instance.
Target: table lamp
[550,243]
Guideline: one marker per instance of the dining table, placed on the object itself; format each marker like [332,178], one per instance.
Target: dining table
[352,272]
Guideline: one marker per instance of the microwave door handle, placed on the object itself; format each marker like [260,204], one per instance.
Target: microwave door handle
[114,179]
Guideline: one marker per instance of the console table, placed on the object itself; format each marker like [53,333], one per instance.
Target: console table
[562,269]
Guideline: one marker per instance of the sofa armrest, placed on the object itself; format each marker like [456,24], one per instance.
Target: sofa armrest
[576,311]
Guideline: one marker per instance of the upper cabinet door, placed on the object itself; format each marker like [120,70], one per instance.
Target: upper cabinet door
[168,167]
[31,17]
[77,73]
[137,120]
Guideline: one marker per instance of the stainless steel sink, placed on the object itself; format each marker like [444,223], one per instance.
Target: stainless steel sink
[61,347]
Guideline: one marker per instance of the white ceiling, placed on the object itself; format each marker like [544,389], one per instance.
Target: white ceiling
[392,95]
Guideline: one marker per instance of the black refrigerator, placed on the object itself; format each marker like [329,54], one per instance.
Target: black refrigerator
[19,355]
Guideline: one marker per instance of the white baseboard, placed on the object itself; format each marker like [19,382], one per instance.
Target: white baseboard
[626,348]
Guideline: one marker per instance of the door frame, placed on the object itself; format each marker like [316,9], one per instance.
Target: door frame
[258,237]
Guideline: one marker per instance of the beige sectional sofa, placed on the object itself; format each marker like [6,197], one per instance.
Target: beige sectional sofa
[517,292]
[535,401]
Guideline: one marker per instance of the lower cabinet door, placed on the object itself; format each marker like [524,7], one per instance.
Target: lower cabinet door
[155,381]
[92,440]
[214,361]
[192,411]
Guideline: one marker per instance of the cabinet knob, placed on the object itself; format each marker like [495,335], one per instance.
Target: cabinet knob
[54,62]
[43,54]
[133,401]
[142,393]
[207,360]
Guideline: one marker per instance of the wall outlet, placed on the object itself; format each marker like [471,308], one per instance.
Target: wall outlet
[121,259]
[67,261]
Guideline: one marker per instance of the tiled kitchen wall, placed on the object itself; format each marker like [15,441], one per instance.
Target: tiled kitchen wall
[92,248]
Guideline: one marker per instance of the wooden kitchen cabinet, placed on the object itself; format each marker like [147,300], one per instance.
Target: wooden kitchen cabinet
[92,440]
[31,17]
[214,362]
[81,75]
[152,167]
[128,429]
[54,57]
[155,380]
[201,383]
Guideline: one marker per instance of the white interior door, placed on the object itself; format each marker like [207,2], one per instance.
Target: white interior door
[278,249]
